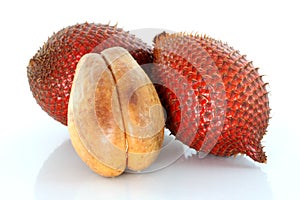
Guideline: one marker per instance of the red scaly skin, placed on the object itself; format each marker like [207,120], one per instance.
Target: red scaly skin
[51,71]
[215,100]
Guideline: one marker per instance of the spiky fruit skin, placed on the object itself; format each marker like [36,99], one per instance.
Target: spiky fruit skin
[215,100]
[51,71]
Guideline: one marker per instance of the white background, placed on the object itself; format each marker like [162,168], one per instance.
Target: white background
[37,160]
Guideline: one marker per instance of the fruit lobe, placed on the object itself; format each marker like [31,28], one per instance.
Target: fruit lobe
[215,99]
[51,70]
[115,118]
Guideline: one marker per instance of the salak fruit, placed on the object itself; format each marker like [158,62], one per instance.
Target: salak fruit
[51,70]
[216,101]
[115,117]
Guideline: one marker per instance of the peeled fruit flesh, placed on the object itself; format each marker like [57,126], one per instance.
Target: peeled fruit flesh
[115,117]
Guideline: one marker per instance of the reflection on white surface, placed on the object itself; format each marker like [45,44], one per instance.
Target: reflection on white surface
[64,176]
[171,151]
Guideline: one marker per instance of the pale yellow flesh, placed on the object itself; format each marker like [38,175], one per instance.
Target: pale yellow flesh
[92,132]
[115,117]
[88,158]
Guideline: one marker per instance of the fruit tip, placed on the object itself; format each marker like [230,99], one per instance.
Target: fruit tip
[264,160]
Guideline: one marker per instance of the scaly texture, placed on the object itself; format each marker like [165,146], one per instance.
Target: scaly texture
[216,101]
[51,70]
